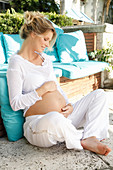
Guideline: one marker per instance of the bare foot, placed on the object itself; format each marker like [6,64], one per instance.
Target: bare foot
[94,145]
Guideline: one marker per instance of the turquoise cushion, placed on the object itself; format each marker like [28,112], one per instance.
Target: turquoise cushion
[2,51]
[12,43]
[57,29]
[53,55]
[58,72]
[13,120]
[77,70]
[71,47]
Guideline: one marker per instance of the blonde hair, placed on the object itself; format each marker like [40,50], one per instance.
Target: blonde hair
[37,23]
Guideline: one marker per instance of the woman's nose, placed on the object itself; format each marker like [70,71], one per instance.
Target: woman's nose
[47,44]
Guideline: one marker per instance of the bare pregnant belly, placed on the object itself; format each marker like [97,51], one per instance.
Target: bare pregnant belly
[51,101]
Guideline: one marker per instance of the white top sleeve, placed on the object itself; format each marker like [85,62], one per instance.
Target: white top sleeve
[17,99]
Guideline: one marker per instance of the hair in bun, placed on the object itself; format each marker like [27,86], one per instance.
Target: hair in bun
[36,22]
[29,16]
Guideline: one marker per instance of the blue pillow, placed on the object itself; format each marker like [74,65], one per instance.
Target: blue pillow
[13,120]
[2,50]
[57,29]
[71,47]
[52,54]
[12,43]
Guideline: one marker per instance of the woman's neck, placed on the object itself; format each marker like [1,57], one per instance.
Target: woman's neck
[27,52]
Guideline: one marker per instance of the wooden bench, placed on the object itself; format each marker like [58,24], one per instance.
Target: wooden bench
[81,86]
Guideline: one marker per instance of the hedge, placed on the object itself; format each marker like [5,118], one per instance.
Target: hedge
[58,19]
[10,22]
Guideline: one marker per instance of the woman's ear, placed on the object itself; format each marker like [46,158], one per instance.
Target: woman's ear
[33,35]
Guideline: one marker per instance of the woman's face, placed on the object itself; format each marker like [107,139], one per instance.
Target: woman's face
[42,41]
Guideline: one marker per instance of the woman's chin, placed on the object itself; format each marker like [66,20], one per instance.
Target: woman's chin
[39,51]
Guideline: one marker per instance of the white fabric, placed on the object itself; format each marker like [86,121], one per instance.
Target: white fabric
[24,78]
[46,130]
[51,128]
[91,112]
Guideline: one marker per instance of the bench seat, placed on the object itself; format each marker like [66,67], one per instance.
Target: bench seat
[77,70]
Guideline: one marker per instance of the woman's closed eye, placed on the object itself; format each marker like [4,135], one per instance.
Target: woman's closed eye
[46,39]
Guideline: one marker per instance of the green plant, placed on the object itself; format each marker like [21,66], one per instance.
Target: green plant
[35,5]
[11,21]
[109,68]
[24,5]
[58,19]
[104,54]
[48,6]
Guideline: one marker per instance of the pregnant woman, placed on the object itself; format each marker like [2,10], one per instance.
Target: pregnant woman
[49,117]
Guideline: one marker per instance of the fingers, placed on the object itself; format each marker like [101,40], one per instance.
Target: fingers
[65,108]
[66,111]
[68,107]
[65,114]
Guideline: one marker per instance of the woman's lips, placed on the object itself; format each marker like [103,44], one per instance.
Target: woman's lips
[43,48]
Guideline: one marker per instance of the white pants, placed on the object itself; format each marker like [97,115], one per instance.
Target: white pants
[91,112]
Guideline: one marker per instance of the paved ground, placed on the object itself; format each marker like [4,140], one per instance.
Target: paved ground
[21,155]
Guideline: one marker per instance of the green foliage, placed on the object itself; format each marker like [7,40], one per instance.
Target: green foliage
[10,22]
[58,19]
[48,6]
[34,5]
[103,54]
[109,68]
[24,5]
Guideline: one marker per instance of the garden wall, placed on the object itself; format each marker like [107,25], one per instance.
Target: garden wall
[96,36]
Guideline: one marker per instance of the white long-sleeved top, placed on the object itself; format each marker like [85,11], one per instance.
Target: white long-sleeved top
[24,77]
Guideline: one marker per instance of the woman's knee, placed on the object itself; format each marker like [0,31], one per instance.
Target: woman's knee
[101,96]
[101,93]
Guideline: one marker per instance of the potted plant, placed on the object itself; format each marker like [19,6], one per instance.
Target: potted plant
[105,55]
[109,70]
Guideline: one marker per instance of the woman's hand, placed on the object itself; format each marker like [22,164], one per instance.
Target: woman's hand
[48,86]
[67,110]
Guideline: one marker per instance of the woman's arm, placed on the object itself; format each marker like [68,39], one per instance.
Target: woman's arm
[46,87]
[17,99]
[21,101]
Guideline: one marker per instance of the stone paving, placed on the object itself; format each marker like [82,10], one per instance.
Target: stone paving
[21,155]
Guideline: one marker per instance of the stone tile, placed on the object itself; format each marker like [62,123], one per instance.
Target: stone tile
[21,155]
